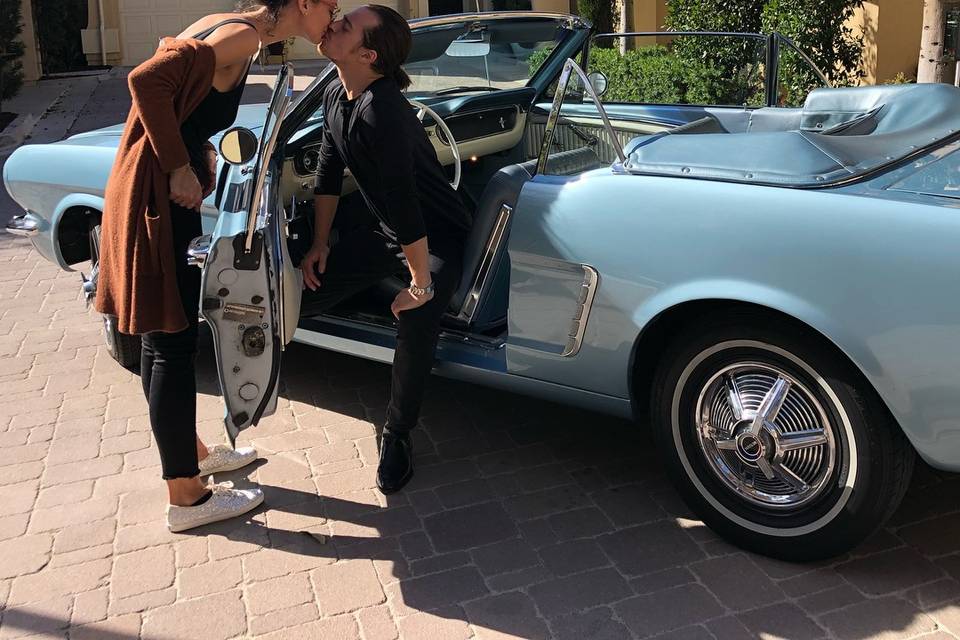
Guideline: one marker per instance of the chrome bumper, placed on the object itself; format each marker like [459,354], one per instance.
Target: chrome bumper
[25,225]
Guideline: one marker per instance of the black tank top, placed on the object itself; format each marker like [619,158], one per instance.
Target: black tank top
[216,112]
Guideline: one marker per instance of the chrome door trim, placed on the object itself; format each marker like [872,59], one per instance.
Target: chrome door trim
[285,75]
[588,292]
[472,300]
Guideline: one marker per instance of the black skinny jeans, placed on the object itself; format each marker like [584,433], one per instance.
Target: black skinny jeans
[359,261]
[167,363]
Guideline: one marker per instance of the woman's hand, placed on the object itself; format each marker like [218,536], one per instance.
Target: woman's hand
[211,158]
[316,257]
[185,188]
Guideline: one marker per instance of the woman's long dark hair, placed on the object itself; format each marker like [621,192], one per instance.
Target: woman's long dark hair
[391,39]
[274,7]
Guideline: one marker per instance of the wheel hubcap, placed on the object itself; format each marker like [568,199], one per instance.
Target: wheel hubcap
[765,436]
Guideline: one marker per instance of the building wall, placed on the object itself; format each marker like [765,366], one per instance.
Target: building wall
[649,15]
[31,56]
[111,34]
[891,32]
[898,46]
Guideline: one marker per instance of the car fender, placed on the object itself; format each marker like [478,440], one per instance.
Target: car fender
[809,312]
[70,201]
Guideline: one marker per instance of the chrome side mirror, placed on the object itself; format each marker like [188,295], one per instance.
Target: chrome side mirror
[238,145]
[198,250]
[598,81]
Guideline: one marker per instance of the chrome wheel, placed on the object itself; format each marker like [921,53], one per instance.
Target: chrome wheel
[766,436]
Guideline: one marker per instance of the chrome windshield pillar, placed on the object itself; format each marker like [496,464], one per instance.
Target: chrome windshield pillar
[570,67]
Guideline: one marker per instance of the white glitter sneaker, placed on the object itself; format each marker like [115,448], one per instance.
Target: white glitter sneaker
[222,458]
[225,503]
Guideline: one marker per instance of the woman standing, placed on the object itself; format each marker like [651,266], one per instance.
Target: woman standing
[189,90]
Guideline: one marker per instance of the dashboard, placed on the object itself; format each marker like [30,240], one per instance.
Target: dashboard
[481,125]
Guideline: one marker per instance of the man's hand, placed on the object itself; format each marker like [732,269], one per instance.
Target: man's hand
[315,258]
[211,158]
[185,188]
[405,301]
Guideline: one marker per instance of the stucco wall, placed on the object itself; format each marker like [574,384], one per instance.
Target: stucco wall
[898,46]
[31,57]
[891,32]
[649,15]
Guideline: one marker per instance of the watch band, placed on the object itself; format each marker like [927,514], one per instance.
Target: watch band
[420,291]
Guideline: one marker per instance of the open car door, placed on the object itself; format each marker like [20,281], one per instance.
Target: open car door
[250,289]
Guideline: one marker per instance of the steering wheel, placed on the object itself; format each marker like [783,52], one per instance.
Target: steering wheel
[424,110]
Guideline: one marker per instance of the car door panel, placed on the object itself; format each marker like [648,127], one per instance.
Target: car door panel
[249,287]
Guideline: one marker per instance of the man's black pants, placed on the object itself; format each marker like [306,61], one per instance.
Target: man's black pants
[359,261]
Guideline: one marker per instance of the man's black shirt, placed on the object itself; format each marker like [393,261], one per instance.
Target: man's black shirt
[379,138]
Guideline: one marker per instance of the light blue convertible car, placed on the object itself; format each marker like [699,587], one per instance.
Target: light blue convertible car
[769,286]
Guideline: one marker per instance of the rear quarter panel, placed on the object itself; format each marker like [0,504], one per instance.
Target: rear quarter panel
[876,276]
[50,179]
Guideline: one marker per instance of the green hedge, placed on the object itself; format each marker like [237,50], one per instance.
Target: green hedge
[656,75]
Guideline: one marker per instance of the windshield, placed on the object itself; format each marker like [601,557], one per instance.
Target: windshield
[481,55]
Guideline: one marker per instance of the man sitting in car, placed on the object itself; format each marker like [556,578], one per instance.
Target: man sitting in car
[370,128]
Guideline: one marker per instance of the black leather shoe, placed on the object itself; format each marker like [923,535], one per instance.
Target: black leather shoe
[396,462]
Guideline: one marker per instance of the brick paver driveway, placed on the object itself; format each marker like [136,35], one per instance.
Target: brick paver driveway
[525,519]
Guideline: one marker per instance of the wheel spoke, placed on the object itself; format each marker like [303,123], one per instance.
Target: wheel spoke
[727,444]
[766,469]
[784,474]
[770,407]
[733,397]
[801,440]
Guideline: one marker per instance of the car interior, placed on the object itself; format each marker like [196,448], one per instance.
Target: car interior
[498,134]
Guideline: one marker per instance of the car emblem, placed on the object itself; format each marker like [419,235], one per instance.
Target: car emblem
[749,447]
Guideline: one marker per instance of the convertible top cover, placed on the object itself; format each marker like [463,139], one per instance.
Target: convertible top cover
[837,135]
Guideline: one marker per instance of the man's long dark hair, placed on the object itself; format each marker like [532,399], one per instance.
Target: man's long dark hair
[391,39]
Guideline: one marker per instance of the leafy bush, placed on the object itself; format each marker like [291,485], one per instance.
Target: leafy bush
[598,12]
[900,78]
[654,75]
[818,27]
[11,48]
[537,58]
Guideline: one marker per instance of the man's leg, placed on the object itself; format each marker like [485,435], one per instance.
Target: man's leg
[413,359]
[358,261]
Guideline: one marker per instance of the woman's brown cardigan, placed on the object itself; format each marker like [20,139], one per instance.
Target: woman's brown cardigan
[137,281]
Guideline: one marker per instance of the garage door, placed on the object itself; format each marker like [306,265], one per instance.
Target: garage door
[144,22]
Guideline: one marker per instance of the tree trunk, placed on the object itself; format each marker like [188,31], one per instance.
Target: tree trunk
[626,24]
[930,67]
